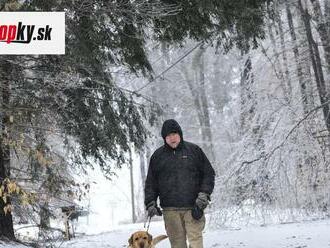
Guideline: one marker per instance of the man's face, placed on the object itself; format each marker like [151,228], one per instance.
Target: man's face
[173,140]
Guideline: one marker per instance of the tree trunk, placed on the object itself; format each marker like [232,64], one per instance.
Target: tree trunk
[143,167]
[247,96]
[132,186]
[6,221]
[277,64]
[284,57]
[316,63]
[40,170]
[44,217]
[302,83]
[306,63]
[220,77]
[162,88]
[321,27]
[327,16]
[206,123]
[194,93]
[197,88]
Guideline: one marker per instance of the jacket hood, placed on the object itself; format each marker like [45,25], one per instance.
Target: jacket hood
[171,126]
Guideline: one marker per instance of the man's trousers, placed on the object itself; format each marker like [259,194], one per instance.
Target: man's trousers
[180,226]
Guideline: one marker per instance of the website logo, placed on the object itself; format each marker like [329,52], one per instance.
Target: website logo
[32,33]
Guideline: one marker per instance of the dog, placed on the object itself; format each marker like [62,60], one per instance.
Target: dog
[143,239]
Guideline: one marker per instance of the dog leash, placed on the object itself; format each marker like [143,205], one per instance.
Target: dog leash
[147,222]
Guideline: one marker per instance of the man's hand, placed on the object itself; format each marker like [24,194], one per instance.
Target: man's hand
[202,200]
[153,210]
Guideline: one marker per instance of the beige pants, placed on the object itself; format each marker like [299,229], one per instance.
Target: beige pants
[180,225]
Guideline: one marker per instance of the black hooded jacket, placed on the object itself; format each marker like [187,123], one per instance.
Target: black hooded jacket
[176,176]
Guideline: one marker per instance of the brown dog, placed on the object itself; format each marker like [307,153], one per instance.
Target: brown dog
[143,239]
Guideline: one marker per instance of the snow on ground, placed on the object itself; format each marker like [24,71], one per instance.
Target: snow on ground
[312,234]
[308,234]
[11,245]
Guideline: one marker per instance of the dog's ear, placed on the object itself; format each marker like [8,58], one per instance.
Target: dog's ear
[130,240]
[149,238]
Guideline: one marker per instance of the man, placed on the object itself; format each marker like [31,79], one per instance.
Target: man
[182,177]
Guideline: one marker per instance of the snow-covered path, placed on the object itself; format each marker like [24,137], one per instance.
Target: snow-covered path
[314,234]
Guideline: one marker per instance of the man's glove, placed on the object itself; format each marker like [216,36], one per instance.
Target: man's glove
[202,200]
[153,210]
[197,213]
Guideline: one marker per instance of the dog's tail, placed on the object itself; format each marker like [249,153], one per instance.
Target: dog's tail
[158,239]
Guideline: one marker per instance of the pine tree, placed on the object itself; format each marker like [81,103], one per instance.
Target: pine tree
[77,93]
